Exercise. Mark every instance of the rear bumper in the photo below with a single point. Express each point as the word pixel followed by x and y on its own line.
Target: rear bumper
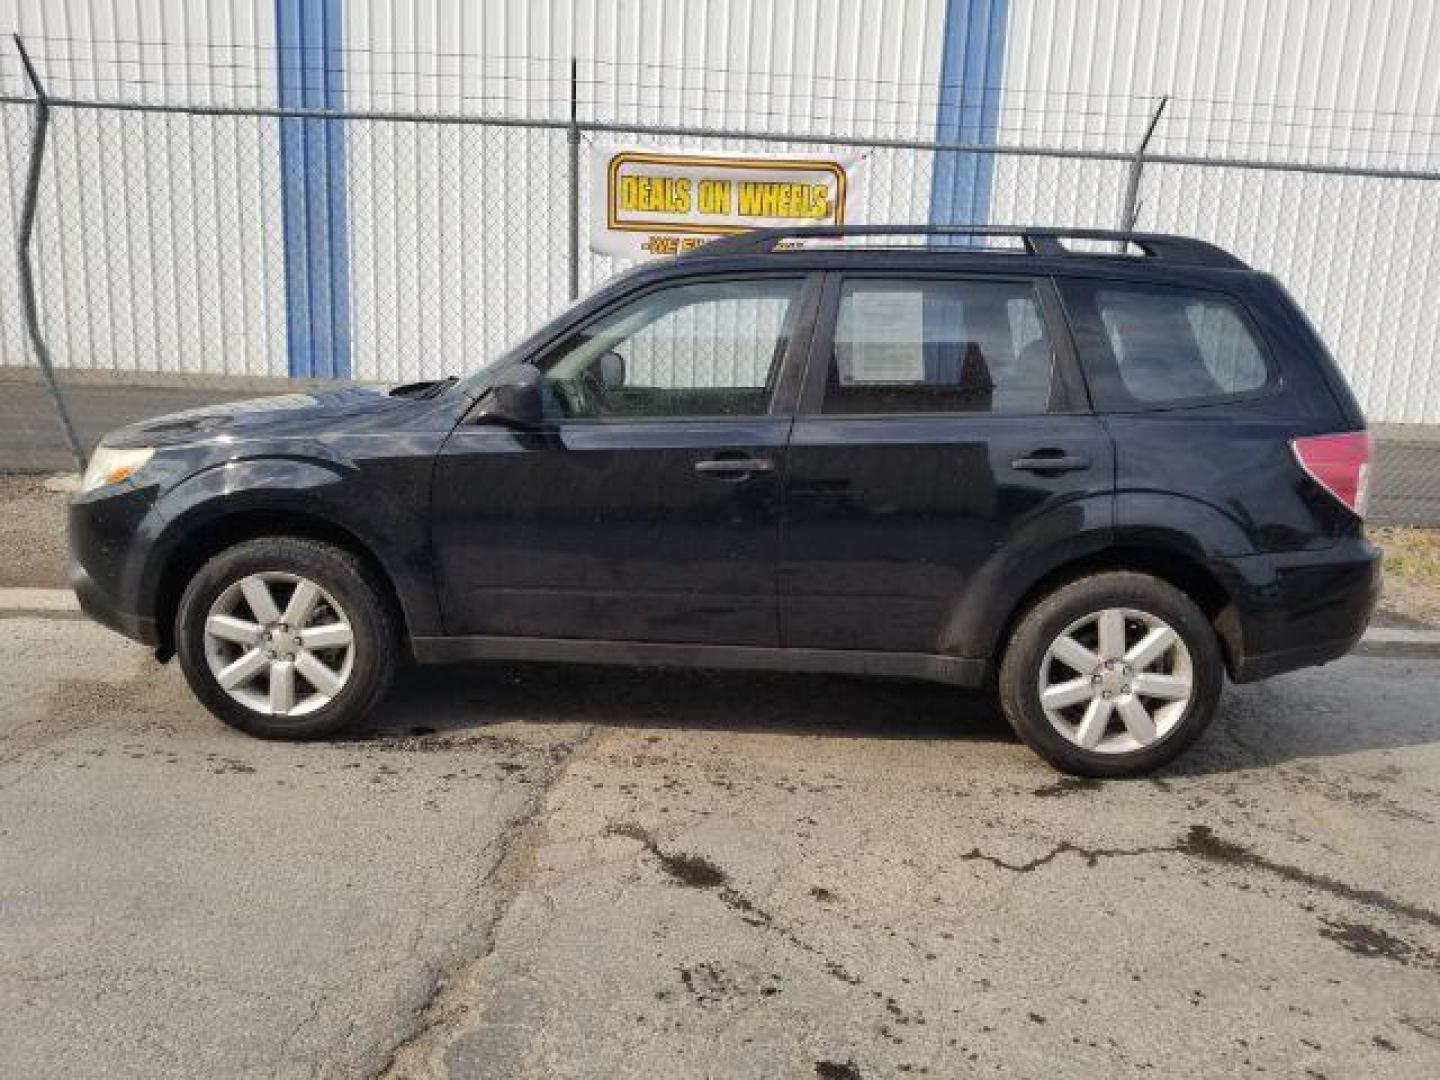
pixel 1296 609
pixel 1256 666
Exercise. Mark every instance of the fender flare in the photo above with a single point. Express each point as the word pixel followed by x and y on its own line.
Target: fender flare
pixel 321 492
pixel 1066 533
pixel 1195 544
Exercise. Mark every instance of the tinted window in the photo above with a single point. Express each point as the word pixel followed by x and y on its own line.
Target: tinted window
pixel 1163 346
pixel 939 346
pixel 703 349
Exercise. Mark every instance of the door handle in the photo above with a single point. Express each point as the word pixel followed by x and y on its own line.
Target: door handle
pixel 1051 461
pixel 734 466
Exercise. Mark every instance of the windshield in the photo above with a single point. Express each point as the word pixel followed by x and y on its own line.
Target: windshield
pixel 477 381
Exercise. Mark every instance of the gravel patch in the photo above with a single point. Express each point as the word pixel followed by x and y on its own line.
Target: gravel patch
pixel 32 533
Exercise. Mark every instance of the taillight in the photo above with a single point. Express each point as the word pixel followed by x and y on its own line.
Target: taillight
pixel 1338 463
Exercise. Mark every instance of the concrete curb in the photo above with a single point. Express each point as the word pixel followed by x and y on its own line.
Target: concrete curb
pixel 42 601
pixel 39 604
pixel 1385 641
pixel 1400 635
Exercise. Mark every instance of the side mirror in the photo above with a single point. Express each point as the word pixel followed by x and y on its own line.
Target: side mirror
pixel 612 371
pixel 514 399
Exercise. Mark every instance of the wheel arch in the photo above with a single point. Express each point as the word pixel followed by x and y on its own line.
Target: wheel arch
pixel 1175 568
pixel 216 534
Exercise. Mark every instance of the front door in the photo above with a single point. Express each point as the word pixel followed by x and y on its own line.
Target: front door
pixel 647 507
pixel 934 430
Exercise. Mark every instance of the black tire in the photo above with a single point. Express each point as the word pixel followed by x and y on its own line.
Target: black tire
pixel 337 572
pixel 1047 619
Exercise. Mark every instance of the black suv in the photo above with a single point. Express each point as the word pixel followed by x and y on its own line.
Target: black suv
pixel 1098 469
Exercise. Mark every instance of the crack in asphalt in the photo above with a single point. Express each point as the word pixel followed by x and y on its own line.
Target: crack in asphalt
pixel 695 871
pixel 282 1061
pixel 1065 847
pixel 1201 843
pixel 442 1005
pixel 698 872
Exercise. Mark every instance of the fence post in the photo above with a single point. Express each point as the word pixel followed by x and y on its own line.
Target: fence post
pixel 573 137
pixel 1131 210
pixel 28 306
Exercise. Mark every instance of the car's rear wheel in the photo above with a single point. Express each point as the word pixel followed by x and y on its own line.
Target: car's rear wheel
pixel 1111 675
pixel 286 638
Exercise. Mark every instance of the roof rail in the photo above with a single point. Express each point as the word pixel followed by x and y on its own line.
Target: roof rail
pixel 1037 241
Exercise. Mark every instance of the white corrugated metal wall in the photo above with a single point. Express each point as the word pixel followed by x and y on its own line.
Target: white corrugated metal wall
pixel 758 65
pixel 169 266
pixel 1327 81
pixel 425 289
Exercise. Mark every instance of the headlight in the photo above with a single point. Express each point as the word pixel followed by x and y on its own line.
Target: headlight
pixel 111 464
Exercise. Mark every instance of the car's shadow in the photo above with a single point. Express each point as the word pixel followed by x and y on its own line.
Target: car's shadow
pixel 1296 717
pixel 461 697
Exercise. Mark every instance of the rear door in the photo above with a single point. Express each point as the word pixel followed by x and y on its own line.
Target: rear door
pixel 646 508
pixel 941 418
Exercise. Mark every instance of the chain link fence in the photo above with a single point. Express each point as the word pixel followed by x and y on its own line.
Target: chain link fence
pixel 163 277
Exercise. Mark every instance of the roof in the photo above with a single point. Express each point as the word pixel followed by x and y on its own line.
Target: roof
pixel 1047 242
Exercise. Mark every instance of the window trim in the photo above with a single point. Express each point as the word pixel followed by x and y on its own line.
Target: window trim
pixel 1067 390
pixel 788 373
pixel 1109 371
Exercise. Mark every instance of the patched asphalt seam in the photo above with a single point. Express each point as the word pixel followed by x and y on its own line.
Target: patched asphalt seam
pixel 441 1007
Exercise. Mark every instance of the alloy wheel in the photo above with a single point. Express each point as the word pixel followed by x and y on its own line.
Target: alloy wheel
pixel 279 644
pixel 1116 681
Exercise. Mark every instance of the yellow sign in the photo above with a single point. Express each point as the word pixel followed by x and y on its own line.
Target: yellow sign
pixel 653 202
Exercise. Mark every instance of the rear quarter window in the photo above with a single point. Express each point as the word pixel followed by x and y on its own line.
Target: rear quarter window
pixel 1149 347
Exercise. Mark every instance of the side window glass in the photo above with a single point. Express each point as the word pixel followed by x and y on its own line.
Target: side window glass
pixel 1226 347
pixel 702 349
pixel 938 346
pixel 1152 345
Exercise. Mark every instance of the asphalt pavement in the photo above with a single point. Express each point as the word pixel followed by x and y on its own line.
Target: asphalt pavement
pixel 536 871
pixel 33 441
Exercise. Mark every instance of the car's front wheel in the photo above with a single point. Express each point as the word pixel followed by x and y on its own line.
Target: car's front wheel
pixel 1111 675
pixel 286 638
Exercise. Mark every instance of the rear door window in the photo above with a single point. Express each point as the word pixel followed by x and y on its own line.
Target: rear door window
pixel 943 345
pixel 1157 346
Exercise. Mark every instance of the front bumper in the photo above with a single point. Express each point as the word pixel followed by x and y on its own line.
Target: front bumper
pixel 111 533
pixel 1296 609
pixel 105 610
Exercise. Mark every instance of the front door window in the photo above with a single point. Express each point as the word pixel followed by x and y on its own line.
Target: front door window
pixel 704 349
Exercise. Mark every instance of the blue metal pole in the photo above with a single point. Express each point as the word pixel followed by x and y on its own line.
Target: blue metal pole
pixel 971 66
pixel 310 69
